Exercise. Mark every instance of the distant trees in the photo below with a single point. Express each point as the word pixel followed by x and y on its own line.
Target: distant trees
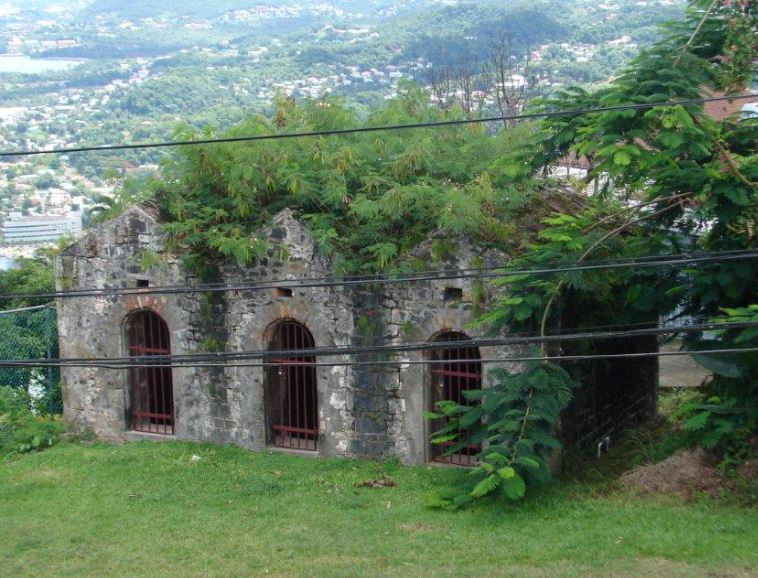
pixel 502 81
pixel 456 77
pixel 46 181
pixel 176 92
pixel 473 28
pixel 510 77
pixel 114 50
pixel 21 128
pixel 96 74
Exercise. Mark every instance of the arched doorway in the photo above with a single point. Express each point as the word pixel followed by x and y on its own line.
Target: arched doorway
pixel 151 391
pixel 455 369
pixel 291 396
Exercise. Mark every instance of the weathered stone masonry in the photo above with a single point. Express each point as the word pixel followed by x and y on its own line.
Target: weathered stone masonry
pixel 362 410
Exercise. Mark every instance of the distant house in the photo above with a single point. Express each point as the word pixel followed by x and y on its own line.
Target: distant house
pixel 297 401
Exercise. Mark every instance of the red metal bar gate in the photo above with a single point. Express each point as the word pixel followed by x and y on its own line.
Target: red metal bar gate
pixel 292 406
pixel 449 381
pixel 151 392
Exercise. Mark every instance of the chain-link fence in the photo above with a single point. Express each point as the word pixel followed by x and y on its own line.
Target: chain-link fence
pixel 31 333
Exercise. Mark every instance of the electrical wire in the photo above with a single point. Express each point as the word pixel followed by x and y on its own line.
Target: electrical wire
pixel 219 357
pixel 440 275
pixel 410 362
pixel 346 131
pixel 558 331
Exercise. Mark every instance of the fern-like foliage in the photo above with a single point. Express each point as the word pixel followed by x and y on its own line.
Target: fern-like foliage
pixel 694 180
pixel 518 435
pixel 368 199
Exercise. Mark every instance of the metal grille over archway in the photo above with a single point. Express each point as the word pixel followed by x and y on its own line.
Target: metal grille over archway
pixel 449 380
pixel 151 392
pixel 292 406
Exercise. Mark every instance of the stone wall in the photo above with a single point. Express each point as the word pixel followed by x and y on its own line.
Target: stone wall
pixel 372 411
pixel 93 327
pixel 363 410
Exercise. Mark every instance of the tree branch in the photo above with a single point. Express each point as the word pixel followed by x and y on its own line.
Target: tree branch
pixel 695 32
pixel 733 168
pixel 635 207
pixel 586 254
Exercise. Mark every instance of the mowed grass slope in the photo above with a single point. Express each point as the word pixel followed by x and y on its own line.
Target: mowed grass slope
pixel 148 509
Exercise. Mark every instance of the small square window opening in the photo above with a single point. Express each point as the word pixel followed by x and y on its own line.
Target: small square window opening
pixel 452 294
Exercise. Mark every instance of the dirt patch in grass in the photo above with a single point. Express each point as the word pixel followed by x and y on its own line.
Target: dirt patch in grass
pixel 42 477
pixel 682 474
pixel 413 528
pixel 383 482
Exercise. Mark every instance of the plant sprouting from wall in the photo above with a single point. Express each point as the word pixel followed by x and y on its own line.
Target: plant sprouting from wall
pixel 148 259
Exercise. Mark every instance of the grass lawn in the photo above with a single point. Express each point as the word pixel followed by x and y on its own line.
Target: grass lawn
pixel 148 509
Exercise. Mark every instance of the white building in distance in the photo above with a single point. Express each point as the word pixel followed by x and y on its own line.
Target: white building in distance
pixel 18 229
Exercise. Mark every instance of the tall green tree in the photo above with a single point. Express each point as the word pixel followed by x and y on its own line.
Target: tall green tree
pixel 685 181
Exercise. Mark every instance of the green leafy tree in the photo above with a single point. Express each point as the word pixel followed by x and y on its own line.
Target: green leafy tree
pixel 693 181
pixel 726 415
pixel 368 198
pixel 131 191
pixel 46 181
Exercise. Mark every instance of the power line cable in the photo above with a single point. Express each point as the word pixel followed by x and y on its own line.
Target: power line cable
pixel 190 358
pixel 520 339
pixel 440 275
pixel 558 331
pixel 384 363
pixel 345 131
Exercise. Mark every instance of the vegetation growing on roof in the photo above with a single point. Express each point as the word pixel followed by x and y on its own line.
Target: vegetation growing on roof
pixel 368 198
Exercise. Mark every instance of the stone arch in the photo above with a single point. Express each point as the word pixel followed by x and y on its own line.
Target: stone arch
pixel 452 371
pixel 291 392
pixel 151 390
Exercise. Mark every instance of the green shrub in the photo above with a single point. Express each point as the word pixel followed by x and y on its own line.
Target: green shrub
pixel 22 430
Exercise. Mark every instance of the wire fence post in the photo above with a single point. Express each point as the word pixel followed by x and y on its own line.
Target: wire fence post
pixel 48 316
pixel 54 402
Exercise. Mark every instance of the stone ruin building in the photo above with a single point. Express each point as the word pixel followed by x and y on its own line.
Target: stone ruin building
pixel 342 410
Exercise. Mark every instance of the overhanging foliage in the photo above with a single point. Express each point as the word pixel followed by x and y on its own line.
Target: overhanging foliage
pixel 368 198
pixel 693 181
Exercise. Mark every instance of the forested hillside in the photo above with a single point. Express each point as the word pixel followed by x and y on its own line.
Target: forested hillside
pixel 146 66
